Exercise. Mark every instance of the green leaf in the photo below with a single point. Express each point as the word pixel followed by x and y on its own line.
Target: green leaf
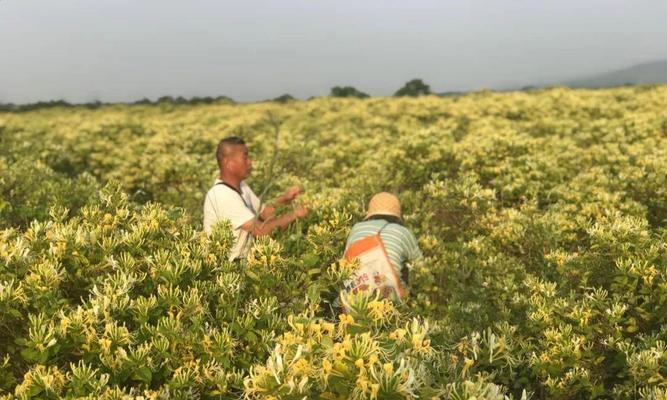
pixel 252 275
pixel 143 374
pixel 314 293
pixel 327 343
pixel 251 336
pixel 34 391
pixel 30 355
pixel 310 260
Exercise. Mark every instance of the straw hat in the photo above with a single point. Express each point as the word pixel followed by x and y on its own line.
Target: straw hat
pixel 384 204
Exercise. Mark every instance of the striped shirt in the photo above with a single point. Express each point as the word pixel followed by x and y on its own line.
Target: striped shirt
pixel 399 242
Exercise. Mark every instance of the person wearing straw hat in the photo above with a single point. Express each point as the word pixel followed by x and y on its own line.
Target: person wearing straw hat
pixel 383 222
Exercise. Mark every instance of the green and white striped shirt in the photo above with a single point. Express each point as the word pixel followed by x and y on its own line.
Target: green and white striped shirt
pixel 399 242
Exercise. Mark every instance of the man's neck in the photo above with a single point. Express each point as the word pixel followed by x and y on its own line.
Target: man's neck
pixel 232 181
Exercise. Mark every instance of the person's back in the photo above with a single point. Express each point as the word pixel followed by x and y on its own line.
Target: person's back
pixel 400 243
pixel 383 246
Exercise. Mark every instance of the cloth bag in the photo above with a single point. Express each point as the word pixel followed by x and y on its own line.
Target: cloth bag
pixel 375 271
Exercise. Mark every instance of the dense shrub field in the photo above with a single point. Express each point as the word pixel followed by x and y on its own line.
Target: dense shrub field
pixel 542 216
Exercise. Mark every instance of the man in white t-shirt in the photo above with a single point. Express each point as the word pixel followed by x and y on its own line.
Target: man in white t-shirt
pixel 231 199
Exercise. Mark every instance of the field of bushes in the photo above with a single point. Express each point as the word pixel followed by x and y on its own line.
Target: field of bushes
pixel 542 216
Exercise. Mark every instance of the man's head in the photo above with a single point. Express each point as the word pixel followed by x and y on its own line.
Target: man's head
pixel 232 156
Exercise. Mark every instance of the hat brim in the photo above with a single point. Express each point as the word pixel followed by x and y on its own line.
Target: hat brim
pixel 389 213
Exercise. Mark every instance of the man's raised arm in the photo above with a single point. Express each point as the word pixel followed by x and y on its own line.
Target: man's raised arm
pixel 261 228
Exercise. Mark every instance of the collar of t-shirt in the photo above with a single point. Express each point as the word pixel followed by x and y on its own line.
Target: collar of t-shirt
pixel 221 182
pixel 240 193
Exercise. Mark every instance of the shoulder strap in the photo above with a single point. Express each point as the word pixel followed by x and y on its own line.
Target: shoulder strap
pixel 383 226
pixel 237 192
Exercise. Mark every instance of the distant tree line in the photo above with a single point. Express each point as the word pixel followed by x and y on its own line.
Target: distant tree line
pixel 414 87
pixel 180 100
pixel 9 107
pixel 347 91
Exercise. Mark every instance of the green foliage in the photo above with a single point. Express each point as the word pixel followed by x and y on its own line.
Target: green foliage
pixel 284 98
pixel 30 189
pixel 132 296
pixel 541 215
pixel 347 91
pixel 415 87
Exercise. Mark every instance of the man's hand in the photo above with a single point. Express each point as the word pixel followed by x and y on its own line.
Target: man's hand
pixel 291 193
pixel 300 211
pixel 268 212
pixel 257 228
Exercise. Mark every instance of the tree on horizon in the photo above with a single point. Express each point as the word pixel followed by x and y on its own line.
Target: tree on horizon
pixel 415 87
pixel 347 91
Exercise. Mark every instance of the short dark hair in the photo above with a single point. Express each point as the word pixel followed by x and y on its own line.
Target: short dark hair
pixel 221 152
pixel 392 219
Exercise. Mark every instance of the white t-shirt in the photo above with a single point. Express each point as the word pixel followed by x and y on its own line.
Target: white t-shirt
pixel 223 202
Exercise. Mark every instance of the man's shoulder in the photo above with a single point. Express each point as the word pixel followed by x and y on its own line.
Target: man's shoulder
pixel 220 191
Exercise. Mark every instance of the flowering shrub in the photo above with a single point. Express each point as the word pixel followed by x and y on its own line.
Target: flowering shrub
pixel 542 217
pixel 127 296
pixel 371 352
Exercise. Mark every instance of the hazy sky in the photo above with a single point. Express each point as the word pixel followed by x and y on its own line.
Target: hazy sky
pixel 121 50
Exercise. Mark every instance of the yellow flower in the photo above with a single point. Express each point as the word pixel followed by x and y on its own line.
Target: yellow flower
pixel 301 367
pixel 359 363
pixel 315 329
pixel 328 327
pixel 375 389
pixel 289 339
pixel 326 366
pixel 346 319
pixel 298 327
pixel 105 344
pixel 388 368
pixel 362 383
pixel 376 309
pixel 338 350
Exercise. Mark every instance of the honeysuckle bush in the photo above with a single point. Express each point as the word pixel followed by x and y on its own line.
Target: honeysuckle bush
pixel 29 189
pixel 134 299
pixel 370 352
pixel 542 217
